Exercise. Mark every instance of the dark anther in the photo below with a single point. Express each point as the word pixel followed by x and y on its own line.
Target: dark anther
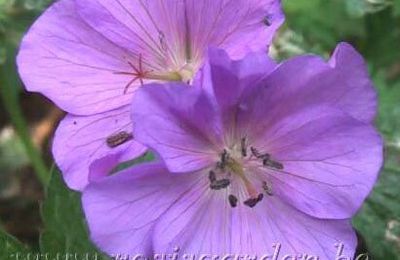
pixel 267 188
pixel 224 159
pixel 118 139
pixel 220 184
pixel 253 201
pixel 243 147
pixel 232 201
pixel 258 155
pixel 273 164
pixel 266 21
pixel 212 177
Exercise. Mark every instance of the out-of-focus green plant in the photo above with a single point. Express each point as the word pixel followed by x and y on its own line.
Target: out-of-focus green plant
pixel 360 8
pixel 15 17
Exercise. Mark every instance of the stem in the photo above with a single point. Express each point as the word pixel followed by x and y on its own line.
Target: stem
pixel 9 96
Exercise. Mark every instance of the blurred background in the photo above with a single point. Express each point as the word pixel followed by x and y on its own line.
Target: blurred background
pixel 51 220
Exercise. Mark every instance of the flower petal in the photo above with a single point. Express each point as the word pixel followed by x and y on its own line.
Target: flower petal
pixel 206 225
pixel 331 161
pixel 343 82
pixel 230 81
pixel 179 122
pixel 185 28
pixel 122 209
pixel 72 64
pixel 81 140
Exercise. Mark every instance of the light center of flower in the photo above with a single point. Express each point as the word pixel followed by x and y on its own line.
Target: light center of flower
pixel 138 72
pixel 236 166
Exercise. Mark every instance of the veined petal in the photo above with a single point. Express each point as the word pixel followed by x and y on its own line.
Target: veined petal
pixel 72 64
pixel 180 123
pixel 231 81
pixel 205 225
pixel 177 31
pixel 121 210
pixel 331 161
pixel 342 82
pixel 81 140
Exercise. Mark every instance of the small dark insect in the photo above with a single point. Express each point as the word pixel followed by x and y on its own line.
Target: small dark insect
pixel 243 147
pixel 259 155
pixel 220 184
pixel 118 139
pixel 273 164
pixel 232 201
pixel 266 21
pixel 267 188
pixel 212 176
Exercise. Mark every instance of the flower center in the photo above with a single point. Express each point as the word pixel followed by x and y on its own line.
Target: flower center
pixel 182 73
pixel 235 165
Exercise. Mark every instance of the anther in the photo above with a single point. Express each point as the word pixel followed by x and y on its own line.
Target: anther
pixel 212 176
pixel 258 155
pixel 243 147
pixel 118 139
pixel 224 159
pixel 252 202
pixel 220 184
pixel 267 188
pixel 273 164
pixel 232 201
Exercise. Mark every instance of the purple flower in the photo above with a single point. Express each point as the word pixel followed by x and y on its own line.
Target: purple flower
pixel 89 56
pixel 258 156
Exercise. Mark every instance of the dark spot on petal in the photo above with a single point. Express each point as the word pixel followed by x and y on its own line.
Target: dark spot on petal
pixel 267 21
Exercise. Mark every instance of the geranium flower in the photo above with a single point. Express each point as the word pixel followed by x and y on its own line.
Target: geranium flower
pixel 258 156
pixel 89 56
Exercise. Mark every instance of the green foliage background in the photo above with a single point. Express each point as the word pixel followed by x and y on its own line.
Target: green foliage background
pixel 316 26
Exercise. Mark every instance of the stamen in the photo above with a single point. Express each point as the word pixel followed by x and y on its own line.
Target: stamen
pixel 252 202
pixel 232 201
pixel 267 188
pixel 273 164
pixel 220 184
pixel 243 147
pixel 118 139
pixel 259 155
pixel 212 177
pixel 224 159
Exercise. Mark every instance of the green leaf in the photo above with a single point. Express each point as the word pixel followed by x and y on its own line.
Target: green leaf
pixel 10 247
pixel 65 229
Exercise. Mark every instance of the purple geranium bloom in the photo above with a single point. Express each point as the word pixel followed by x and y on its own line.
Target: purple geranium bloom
pixel 259 158
pixel 89 56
